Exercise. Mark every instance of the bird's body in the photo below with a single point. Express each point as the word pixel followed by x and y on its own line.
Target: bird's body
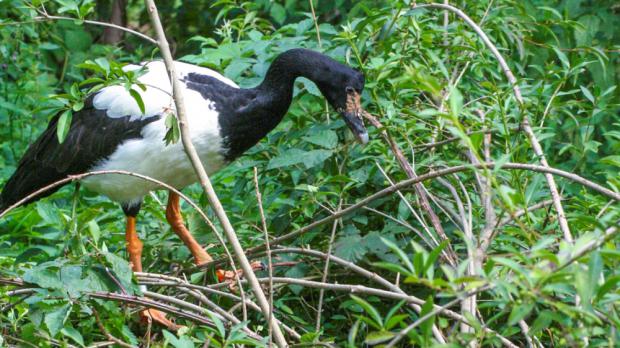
pixel 112 133
pixel 149 154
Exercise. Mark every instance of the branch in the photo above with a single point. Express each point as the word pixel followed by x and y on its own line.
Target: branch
pixel 44 18
pixel 557 199
pixel 205 182
pixel 443 172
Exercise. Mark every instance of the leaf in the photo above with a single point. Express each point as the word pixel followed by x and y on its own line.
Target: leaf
pixel 519 312
pixel 277 12
pixel 401 254
pixel 376 337
pixel 326 138
pixel 63 125
pixel 586 92
pixel 350 248
pixel 73 334
pixel 120 267
pixel 181 342
pixel 138 98
pixel 55 319
pixel 369 309
pixel 297 156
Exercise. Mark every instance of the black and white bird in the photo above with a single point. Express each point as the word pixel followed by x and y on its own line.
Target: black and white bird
pixel 112 133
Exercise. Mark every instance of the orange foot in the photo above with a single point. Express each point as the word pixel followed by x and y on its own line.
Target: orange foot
pixel 230 277
pixel 154 315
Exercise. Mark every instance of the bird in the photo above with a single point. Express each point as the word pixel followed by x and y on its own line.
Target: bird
pixel 113 132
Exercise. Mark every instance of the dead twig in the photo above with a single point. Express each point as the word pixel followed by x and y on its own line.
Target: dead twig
pixel 204 180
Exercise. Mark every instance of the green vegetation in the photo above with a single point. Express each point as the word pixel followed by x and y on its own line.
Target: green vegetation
pixel 429 79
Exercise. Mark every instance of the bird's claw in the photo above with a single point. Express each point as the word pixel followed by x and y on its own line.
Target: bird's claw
pixel 230 277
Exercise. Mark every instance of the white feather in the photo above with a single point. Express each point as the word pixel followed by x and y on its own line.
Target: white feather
pixel 150 155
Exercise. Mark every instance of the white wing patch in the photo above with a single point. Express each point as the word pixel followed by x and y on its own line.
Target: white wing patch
pixel 149 155
pixel 157 97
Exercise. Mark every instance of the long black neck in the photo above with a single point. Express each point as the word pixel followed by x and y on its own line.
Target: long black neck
pixel 247 115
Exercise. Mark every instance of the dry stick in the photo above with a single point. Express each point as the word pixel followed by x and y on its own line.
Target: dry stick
pixel 146 302
pixel 332 237
pixel 259 198
pixel 44 17
pixel 194 290
pixel 382 281
pixel 140 176
pixel 527 128
pixel 404 164
pixel 107 334
pixel 205 182
pixel 442 172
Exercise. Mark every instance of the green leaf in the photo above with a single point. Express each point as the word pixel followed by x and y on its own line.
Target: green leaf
pixel 350 248
pixel 519 312
pixel 278 12
pixel 369 309
pixel 73 334
pixel 181 342
pixel 376 337
pixel 63 125
pixel 55 320
pixel 326 138
pixel 586 92
pixel 296 156
pixel 138 98
pixel 401 255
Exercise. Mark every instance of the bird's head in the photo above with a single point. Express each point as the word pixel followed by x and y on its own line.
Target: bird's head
pixel 343 89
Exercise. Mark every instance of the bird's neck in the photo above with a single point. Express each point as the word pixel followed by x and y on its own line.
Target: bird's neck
pixel 259 110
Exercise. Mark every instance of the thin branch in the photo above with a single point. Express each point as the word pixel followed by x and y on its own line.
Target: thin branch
pixel 557 199
pixel 259 199
pixel 107 334
pixel 332 237
pixel 404 164
pixel 437 310
pixel 205 182
pixel 44 18
pixel 442 172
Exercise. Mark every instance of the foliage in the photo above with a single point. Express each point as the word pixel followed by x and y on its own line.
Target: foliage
pixel 428 81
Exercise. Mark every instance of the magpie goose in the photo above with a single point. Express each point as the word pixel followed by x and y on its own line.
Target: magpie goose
pixel 112 133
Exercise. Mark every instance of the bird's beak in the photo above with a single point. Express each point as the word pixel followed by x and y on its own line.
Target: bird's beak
pixel 352 114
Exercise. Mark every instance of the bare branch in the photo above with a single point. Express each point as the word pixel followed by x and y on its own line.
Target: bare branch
pixel 557 199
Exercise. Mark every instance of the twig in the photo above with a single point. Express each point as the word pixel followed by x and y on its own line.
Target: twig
pixel 332 237
pixel 107 334
pixel 442 172
pixel 259 199
pixel 437 310
pixel 205 182
pixel 557 199
pixel 45 17
pixel 404 164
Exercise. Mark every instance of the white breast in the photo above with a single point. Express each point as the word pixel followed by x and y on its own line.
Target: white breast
pixel 150 155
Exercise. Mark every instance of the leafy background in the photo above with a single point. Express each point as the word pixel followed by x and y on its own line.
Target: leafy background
pixel 427 80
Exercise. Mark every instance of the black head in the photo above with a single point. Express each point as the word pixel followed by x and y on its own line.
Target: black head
pixel 340 84
pixel 342 88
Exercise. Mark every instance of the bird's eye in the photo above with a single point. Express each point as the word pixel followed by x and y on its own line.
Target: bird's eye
pixel 350 89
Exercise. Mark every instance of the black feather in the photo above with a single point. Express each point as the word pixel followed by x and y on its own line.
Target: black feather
pixel 93 136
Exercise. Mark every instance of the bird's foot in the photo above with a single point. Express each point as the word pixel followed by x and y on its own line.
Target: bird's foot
pixel 156 316
pixel 230 277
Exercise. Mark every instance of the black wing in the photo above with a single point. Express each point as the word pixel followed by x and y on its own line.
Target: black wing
pixel 93 136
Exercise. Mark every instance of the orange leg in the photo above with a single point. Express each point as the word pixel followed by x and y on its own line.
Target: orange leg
pixel 173 215
pixel 134 247
pixel 175 219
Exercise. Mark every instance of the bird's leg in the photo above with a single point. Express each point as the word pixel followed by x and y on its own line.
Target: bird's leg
pixel 134 248
pixel 173 215
pixel 175 219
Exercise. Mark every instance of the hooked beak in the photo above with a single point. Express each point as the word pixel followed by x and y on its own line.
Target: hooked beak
pixel 352 115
